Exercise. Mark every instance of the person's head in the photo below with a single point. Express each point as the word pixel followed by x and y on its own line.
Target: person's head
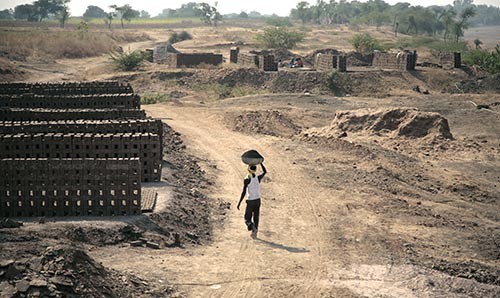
pixel 252 169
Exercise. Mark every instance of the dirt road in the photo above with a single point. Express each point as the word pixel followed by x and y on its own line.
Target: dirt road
pixel 307 233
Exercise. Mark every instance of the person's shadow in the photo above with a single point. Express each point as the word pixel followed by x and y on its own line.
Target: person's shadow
pixel 281 246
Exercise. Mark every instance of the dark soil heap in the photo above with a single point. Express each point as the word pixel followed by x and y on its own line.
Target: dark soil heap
pixel 64 271
pixel 396 122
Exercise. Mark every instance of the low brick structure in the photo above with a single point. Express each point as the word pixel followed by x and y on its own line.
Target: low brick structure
pixel 233 54
pixel 327 62
pixel 448 60
pixel 401 60
pixel 69 187
pixel 192 59
pixel 262 62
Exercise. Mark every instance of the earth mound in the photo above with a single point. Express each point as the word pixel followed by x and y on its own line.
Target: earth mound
pixel 395 122
pixel 64 271
pixel 273 123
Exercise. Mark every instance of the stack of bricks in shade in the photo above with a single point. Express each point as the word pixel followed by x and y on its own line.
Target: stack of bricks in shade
pixel 75 149
pixel 267 63
pixel 327 62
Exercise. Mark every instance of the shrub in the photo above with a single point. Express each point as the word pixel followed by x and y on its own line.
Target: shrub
pixel 152 98
pixel 178 37
pixel 336 82
pixel 490 61
pixel 127 61
pixel 365 44
pixel 279 38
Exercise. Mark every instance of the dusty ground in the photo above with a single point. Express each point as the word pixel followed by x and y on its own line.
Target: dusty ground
pixel 363 214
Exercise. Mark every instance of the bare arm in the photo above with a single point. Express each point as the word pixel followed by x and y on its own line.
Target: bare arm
pixel 264 172
pixel 243 192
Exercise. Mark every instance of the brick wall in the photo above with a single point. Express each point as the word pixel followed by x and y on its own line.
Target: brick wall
pixel 20 114
pixel 73 88
pixel 402 60
pixel 448 60
pixel 59 159
pixel 247 60
pixel 145 146
pixel 189 59
pixel 69 187
pixel 327 62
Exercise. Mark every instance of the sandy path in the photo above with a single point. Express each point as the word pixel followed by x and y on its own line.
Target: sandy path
pixel 287 258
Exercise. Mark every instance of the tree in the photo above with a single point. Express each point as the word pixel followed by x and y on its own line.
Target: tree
pixel 279 38
pixel 110 16
pixel 6 14
pixel 26 12
pixel 144 15
pixel 125 12
pixel 209 14
pixel 94 12
pixel 462 23
pixel 243 15
pixel 365 44
pixel 46 8
pixel 302 12
pixel 63 15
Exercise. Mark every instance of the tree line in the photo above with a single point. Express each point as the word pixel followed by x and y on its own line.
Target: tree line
pixel 448 21
pixel 49 9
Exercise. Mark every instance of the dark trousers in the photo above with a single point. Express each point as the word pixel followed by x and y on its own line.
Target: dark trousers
pixel 252 210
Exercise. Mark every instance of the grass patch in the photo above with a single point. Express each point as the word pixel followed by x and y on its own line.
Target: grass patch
pixel 152 98
pixel 428 42
pixel 39 43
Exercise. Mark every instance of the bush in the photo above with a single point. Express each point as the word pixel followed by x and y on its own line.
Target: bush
pixel 336 82
pixel 490 61
pixel 279 22
pixel 365 44
pixel 178 37
pixel 127 61
pixel 153 98
pixel 279 38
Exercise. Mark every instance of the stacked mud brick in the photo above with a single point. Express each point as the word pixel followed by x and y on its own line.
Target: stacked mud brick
pixel 262 62
pixel 327 62
pixel 233 54
pixel 448 60
pixel 57 159
pixel 401 60
pixel 175 60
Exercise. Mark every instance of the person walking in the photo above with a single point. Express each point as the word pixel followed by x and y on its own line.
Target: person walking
pixel 251 184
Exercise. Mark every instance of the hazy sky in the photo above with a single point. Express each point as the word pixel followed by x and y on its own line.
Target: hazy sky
pixel 279 7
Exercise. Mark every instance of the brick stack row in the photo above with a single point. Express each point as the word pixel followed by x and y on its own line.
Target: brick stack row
pixel 68 151
pixel 70 187
pixel 327 62
pixel 401 60
pixel 266 63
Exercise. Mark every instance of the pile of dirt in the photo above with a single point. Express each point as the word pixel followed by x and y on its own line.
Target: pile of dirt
pixel 9 72
pixel 276 82
pixel 103 236
pixel 269 122
pixel 66 271
pixel 395 122
pixel 490 83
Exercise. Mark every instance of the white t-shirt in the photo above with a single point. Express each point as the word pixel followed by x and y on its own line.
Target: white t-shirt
pixel 253 188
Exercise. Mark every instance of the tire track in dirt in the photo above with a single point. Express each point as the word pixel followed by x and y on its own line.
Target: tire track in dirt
pixel 291 244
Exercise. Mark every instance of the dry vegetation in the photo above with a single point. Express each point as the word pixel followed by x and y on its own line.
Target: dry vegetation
pixel 54 44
